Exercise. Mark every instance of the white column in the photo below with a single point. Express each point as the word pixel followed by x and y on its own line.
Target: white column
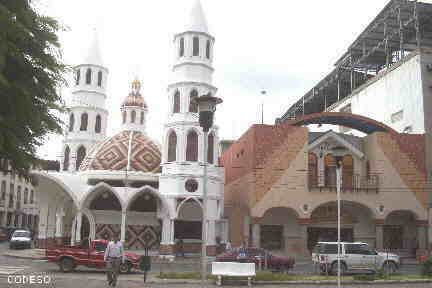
pixel 59 223
pixel 256 235
pixel 123 227
pixel 42 221
pixel 73 230
pixel 78 227
pixel 211 232
pixel 167 229
pixel 225 231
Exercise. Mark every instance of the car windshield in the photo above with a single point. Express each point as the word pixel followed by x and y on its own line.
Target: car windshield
pixel 99 246
pixel 21 234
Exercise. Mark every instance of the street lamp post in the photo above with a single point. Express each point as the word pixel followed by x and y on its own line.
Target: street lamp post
pixel 338 152
pixel 206 108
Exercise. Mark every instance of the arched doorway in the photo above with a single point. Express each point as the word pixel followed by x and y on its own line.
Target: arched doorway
pixel 357 223
pixel 143 230
pixel 188 225
pixel 85 227
pixel 400 231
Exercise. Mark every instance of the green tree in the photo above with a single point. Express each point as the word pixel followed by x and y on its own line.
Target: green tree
pixel 31 73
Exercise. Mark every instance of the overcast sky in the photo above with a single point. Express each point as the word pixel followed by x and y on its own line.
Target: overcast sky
pixel 283 47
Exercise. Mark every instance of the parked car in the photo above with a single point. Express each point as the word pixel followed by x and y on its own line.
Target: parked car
pixel 354 256
pixel 89 253
pixel 20 239
pixel 4 235
pixel 257 256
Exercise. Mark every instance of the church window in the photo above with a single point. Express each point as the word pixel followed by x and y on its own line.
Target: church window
pixel 66 159
pixel 347 172
pixel 192 146
pixel 195 51
pixel 100 78
pixel 193 106
pixel 77 77
pixel 172 147
pixel 81 153
pixel 3 190
pixel 313 170
pixel 330 171
pixel 26 196
pixel 182 47
pixel 142 117
pixel 176 106
pixel 88 76
pixel 11 195
pixel 98 125
pixel 31 197
pixel 133 116
pixel 208 49
pixel 71 122
pixel 124 117
pixel 84 122
pixel 210 149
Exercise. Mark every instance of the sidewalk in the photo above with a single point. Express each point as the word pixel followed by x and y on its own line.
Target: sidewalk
pixel 34 254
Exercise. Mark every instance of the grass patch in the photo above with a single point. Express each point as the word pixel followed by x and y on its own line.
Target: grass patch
pixel 270 276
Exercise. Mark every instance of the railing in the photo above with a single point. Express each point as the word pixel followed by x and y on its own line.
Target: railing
pixel 353 183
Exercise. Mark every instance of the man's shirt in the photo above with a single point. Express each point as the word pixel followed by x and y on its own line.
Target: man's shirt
pixel 114 249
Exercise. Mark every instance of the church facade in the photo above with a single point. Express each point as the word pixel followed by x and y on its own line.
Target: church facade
pixel 148 193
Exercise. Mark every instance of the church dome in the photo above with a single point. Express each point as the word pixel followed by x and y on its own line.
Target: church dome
pixel 112 154
pixel 135 99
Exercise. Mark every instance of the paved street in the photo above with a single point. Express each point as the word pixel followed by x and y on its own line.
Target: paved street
pixel 9 267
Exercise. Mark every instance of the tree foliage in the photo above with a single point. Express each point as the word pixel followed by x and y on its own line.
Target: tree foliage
pixel 31 73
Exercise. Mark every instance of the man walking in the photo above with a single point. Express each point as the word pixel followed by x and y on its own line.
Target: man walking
pixel 114 256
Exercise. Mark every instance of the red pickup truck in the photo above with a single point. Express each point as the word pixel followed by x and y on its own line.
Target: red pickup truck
pixel 89 253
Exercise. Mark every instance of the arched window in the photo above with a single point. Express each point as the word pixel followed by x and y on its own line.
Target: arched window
pixel 176 104
pixel 100 78
pixel 192 146
pixel 124 117
pixel 88 76
pixel 84 122
pixel 77 77
pixel 26 196
pixel 210 149
pixel 18 197
pixel 347 172
pixel 98 125
pixel 71 122
pixel 208 49
pixel 142 117
pixel 195 49
pixel 133 116
pixel 313 170
pixel 193 106
pixel 172 147
pixel 3 190
pixel 182 47
pixel 11 195
pixel 31 197
pixel 81 153
pixel 330 171
pixel 66 159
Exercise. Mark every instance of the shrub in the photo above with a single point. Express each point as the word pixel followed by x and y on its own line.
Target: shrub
pixel 427 267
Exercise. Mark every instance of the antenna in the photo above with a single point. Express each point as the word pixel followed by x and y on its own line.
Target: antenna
pixel 263 92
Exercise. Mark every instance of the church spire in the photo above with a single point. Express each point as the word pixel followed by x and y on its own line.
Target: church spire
pixel 93 54
pixel 197 20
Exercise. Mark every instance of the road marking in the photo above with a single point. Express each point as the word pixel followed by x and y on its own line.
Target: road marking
pixel 7 270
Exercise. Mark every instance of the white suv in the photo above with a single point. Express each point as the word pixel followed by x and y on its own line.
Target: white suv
pixel 354 256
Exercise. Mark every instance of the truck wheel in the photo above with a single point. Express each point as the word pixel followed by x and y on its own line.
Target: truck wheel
pixel 125 268
pixel 334 268
pixel 67 265
pixel 389 267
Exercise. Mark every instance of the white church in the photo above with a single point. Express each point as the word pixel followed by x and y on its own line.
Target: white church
pixel 127 184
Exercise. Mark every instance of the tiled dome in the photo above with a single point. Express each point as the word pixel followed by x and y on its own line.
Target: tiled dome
pixel 135 99
pixel 112 154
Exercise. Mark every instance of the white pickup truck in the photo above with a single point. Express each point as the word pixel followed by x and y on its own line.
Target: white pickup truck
pixel 353 256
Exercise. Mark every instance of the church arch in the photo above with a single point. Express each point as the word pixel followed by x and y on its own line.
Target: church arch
pixel 103 194
pixel 71 122
pixel 84 121
pixel 182 47
pixel 193 106
pixel 88 76
pixel 98 124
pixel 80 155
pixel 192 145
pixel 99 79
pixel 195 44
pixel 176 102
pixel 188 223
pixel 172 146
pixel 66 159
